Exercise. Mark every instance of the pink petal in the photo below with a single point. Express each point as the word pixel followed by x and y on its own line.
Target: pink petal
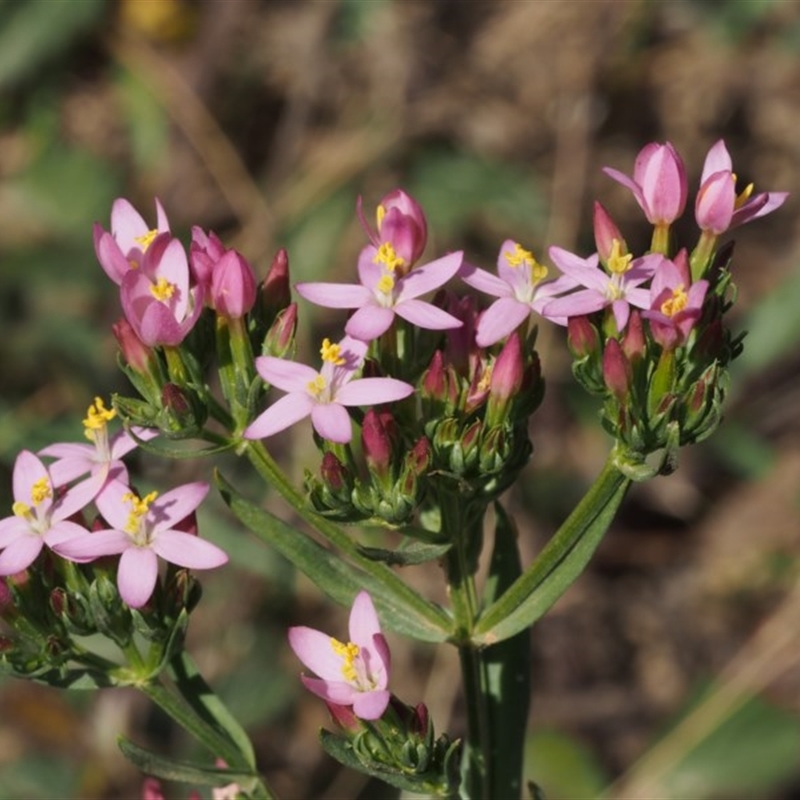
pixel 157 325
pixel 20 554
pixel 621 311
pixel 137 575
pixel 371 705
pixel 335 295
pixel 171 507
pixel 11 528
pixel 484 281
pixel 122 443
pixel 369 270
pixel 127 224
pixel 577 304
pixel 372 391
pixel 65 470
pixel 94 545
pixel 758 206
pixel 111 505
pixel 109 255
pixel 79 496
pixel 717 160
pixel 363 623
pixel 314 648
pixel 426 315
pixel 286 375
pixel 338 692
pixel 583 270
pixel 187 550
pixel 369 322
pixel 430 277
pixel 500 319
pixel 64 531
pixel 280 415
pixel 28 469
pixel 331 421
pixel 628 183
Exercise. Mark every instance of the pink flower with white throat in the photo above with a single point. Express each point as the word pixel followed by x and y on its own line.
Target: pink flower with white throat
pixel 142 530
pixel 124 247
pixel 39 517
pixel 322 394
pixel 353 673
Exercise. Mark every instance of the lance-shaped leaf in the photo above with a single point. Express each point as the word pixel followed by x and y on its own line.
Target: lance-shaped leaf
pixel 559 563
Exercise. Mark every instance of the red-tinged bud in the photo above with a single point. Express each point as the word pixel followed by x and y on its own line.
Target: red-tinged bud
pixel 151 789
pixel 616 370
pixel 434 381
pixel 276 294
pixel 377 444
pixel 344 718
pixel 711 340
pixel 205 251
pixel 421 720
pixel 506 380
pixel 333 472
pixel 280 337
pixel 582 337
pixel 58 601
pixel 174 400
pixel 233 286
pixel 634 344
pixel 419 457
pixel 470 438
pixel 460 348
pixel 681 261
pixel 136 354
pixel 697 397
pixel 605 233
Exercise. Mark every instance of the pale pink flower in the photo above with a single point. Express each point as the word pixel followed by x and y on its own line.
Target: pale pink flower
pixel 124 247
pixel 142 529
pixel 39 516
pixel 325 394
pixel 382 294
pixel 355 673
pixel 658 184
pixel 520 287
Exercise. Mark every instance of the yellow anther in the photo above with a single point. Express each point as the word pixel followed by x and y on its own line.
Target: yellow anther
pixel 41 491
pixel 349 652
pixel 331 353
pixel 317 386
pixel 385 284
pixel 380 213
pixel 139 508
pixel 744 195
pixel 98 416
pixel 146 240
pixel 676 303
pixel 617 262
pixel 162 289
pixel 387 256
pixel 20 509
pixel 486 378
pixel 520 256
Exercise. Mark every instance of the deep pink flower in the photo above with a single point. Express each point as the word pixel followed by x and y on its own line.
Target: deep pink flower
pixel 355 673
pixel 658 184
pixel 158 300
pixel 123 249
pixel 205 251
pixel 324 394
pixel 619 289
pixel 520 287
pixel 382 294
pixel 39 517
pixel 142 529
pixel 718 207
pixel 675 302
pixel 401 225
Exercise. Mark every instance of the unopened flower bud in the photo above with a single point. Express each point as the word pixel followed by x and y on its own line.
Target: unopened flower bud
pixel 334 474
pixel 280 337
pixel 136 354
pixel 582 337
pixel 275 291
pixel 506 379
pixel 205 251
pixel 616 370
pixel 344 718
pixel 605 233
pixel 377 445
pixel 419 457
pixel 233 286
pixel 634 344
pixel 402 223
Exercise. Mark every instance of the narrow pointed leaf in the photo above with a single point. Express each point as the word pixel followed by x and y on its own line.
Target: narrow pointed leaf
pixel 409 552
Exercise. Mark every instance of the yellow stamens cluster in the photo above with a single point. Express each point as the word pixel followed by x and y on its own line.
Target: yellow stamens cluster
pixel 349 652
pixel 617 262
pixel 97 417
pixel 317 386
pixel 387 256
pixel 162 289
pixel 139 508
pixel 331 353
pixel 673 305
pixel 146 240
pixel 41 491
pixel 522 257
pixel 385 284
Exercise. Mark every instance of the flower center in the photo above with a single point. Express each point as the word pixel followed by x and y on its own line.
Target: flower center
pixel 331 353
pixel 385 284
pixel 618 263
pixel 317 386
pixel 676 303
pixel 139 509
pixel 97 418
pixel 348 653
pixel 524 258
pixel 162 289
pixel 387 256
pixel 40 491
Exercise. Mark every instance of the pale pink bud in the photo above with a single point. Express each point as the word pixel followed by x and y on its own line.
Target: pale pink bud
pixel 233 286
pixel 716 199
pixel 605 232
pixel 616 370
pixel 582 337
pixel 136 354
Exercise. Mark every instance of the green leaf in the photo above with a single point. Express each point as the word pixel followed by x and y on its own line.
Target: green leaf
pixel 181 771
pixel 559 564
pixel 409 552
pixel 335 577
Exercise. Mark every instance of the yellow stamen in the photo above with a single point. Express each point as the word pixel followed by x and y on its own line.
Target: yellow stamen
pixel 387 255
pixel 380 213
pixel 146 240
pixel 317 386
pixel 97 417
pixel 522 257
pixel 23 510
pixel 162 290
pixel 673 305
pixel 41 491
pixel 744 195
pixel 385 284
pixel 139 508
pixel 486 378
pixel 349 652
pixel 331 353
pixel 617 262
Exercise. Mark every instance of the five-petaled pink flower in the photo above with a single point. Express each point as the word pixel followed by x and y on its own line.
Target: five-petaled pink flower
pixel 382 294
pixel 718 207
pixel 39 517
pixel 520 287
pixel 355 673
pixel 618 288
pixel 142 529
pixel 322 394
pixel 123 249
pixel 158 300
pixel 658 184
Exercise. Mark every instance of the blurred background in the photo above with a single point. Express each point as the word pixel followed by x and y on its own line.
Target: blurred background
pixel 672 667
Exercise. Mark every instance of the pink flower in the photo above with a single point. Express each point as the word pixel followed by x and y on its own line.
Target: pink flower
pixel 142 529
pixel 123 249
pixel 675 302
pixel 717 207
pixel 39 518
pixel 205 251
pixel 382 294
pixel 157 298
pixel 355 673
pixel 658 183
pixel 324 394
pixel 619 289
pixel 401 225
pixel 101 459
pixel 520 287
